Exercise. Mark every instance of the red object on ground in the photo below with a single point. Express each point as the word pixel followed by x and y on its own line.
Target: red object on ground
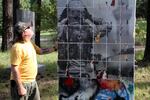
pixel 110 84
pixel 69 82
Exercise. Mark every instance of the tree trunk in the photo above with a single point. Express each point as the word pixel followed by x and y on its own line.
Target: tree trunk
pixel 16 6
pixel 38 23
pixel 147 47
pixel 7 34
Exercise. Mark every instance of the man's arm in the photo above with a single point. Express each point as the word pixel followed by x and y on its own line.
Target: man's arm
pixel 48 50
pixel 41 51
pixel 16 74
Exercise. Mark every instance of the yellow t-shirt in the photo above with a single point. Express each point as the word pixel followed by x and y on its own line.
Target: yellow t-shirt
pixel 24 56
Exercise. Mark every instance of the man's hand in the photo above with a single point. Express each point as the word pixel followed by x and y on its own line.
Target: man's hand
pixel 16 74
pixel 49 50
pixel 22 91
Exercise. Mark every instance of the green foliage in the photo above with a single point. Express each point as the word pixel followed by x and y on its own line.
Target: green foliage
pixel 47 11
pixel 25 4
pixel 140 32
pixel 141 7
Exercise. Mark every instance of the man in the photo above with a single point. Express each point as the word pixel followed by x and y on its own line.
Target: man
pixel 24 64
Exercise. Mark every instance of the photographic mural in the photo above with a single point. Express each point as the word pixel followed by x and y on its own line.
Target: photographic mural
pixel 96 49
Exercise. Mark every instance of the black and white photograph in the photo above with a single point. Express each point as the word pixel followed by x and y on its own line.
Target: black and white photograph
pixel 99 37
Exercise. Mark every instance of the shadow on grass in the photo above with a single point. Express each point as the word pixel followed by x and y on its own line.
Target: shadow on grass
pixel 142 85
pixel 4 83
pixel 50 71
pixel 48 83
pixel 142 63
pixel 4 74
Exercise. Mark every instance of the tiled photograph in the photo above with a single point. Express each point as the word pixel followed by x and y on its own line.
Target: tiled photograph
pixel 113 70
pixel 77 88
pixel 100 40
pixel 127 70
pixel 127 52
pixel 96 89
pixel 70 68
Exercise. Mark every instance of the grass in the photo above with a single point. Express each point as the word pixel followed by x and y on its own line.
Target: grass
pixel 50 32
pixel 142 78
pixel 48 84
pixel 139 55
pixel 4 59
pixel 142 83
pixel 47 38
pixel 50 61
pixel 140 35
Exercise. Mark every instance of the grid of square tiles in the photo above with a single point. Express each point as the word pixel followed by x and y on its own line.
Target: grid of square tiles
pixel 78 25
pixel 82 55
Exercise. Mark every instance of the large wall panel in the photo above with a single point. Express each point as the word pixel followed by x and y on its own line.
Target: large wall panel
pixel 96 49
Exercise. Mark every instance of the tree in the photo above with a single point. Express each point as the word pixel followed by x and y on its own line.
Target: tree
pixel 141 9
pixel 38 23
pixel 16 6
pixel 147 46
pixel 7 33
